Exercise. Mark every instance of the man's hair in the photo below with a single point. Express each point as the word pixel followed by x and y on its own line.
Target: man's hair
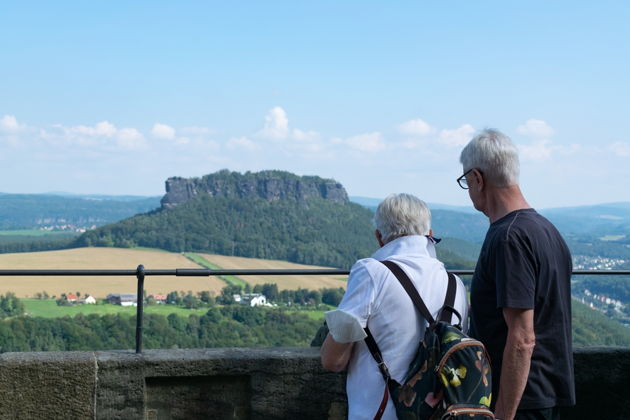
pixel 400 215
pixel 494 154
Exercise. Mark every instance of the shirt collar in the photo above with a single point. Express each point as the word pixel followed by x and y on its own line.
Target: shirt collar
pixel 413 245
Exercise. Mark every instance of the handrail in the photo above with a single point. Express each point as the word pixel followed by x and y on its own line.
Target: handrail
pixel 140 273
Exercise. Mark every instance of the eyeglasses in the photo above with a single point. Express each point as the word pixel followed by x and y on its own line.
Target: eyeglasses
pixel 462 179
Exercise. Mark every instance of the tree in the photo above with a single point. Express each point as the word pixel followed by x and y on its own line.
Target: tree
pixel 190 301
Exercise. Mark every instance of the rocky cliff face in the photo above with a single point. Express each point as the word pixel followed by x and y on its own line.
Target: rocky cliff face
pixel 270 185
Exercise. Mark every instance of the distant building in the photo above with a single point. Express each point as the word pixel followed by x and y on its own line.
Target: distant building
pixel 70 297
pixel 158 298
pixel 251 299
pixel 90 300
pixel 123 299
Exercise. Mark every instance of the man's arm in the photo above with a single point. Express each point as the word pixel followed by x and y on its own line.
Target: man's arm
pixel 335 356
pixel 517 356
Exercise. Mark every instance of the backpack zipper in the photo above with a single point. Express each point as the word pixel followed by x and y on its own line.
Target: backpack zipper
pixel 454 412
pixel 467 343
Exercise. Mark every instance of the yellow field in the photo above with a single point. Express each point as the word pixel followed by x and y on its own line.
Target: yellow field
pixel 128 259
pixel 100 258
pixel 283 282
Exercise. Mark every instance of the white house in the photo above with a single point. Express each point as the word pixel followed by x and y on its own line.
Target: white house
pixel 89 300
pixel 253 299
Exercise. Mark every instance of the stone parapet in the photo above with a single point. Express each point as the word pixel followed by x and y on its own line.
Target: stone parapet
pixel 233 383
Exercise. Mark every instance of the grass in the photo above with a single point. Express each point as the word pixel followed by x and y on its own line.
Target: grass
pixel 48 308
pixel 198 259
pixel 316 315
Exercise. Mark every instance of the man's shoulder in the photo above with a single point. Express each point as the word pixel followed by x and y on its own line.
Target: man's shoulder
pixel 523 223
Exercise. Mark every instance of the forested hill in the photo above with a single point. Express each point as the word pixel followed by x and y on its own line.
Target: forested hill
pixel 301 227
pixel 49 211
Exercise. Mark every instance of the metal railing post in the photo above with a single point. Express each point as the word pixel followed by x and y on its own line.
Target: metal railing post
pixel 140 307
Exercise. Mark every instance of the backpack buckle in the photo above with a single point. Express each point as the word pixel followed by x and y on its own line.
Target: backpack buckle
pixel 384 370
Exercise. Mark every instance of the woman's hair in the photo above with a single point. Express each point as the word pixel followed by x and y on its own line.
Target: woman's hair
pixel 402 214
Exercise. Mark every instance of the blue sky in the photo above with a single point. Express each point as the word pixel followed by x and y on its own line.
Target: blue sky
pixel 114 97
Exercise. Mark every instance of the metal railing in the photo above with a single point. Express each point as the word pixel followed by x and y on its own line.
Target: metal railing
pixel 140 273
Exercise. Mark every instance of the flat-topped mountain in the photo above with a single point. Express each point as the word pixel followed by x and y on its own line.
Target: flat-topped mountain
pixel 268 214
pixel 268 185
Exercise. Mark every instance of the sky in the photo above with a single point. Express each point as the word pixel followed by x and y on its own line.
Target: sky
pixel 114 97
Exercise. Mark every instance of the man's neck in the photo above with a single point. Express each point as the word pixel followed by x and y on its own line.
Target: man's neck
pixel 504 200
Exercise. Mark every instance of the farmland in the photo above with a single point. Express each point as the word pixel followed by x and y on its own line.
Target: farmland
pixel 283 282
pixel 100 258
pixel 124 258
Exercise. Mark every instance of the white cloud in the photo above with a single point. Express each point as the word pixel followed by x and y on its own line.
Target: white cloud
pixel 305 136
pixel 458 136
pixel 620 148
pixel 101 135
pixel 415 128
pixel 197 131
pixel 276 125
pixel 182 140
pixel 369 142
pixel 105 128
pixel 130 138
pixel 536 151
pixel 163 131
pixel 535 128
pixel 9 124
pixel 242 143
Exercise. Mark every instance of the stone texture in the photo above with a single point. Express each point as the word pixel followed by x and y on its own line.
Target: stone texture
pixel 601 384
pixel 269 185
pixel 233 383
pixel 55 385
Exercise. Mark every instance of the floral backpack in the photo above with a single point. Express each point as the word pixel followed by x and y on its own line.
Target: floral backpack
pixel 449 377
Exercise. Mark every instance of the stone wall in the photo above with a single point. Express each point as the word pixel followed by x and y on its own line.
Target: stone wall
pixel 232 383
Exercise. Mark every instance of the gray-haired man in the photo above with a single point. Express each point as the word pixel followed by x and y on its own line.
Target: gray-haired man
pixel 376 299
pixel 520 292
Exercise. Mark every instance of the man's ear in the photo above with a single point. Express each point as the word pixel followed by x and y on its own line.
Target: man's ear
pixel 430 232
pixel 379 237
pixel 479 179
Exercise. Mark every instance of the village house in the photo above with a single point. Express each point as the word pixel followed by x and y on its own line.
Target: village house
pixel 251 299
pixel 89 299
pixel 160 299
pixel 123 299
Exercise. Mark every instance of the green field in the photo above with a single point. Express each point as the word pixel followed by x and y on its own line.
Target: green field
pixel 48 308
pixel 198 259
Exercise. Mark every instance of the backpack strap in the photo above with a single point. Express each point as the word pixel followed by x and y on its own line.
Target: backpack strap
pixel 446 313
pixel 376 354
pixel 404 279
pixel 448 308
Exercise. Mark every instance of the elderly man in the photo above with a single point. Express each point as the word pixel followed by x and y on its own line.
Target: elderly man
pixel 520 292
pixel 376 299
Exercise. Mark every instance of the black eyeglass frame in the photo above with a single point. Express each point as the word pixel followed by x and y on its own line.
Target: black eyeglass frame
pixel 463 178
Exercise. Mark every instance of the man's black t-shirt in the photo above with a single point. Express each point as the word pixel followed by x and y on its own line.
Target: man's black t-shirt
pixel 525 263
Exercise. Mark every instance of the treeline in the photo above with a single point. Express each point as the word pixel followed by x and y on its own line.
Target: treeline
pixel 615 287
pixel 190 300
pixel 228 326
pixel 29 211
pixel 313 231
pixel 592 328
pixel 14 243
pixel 10 306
